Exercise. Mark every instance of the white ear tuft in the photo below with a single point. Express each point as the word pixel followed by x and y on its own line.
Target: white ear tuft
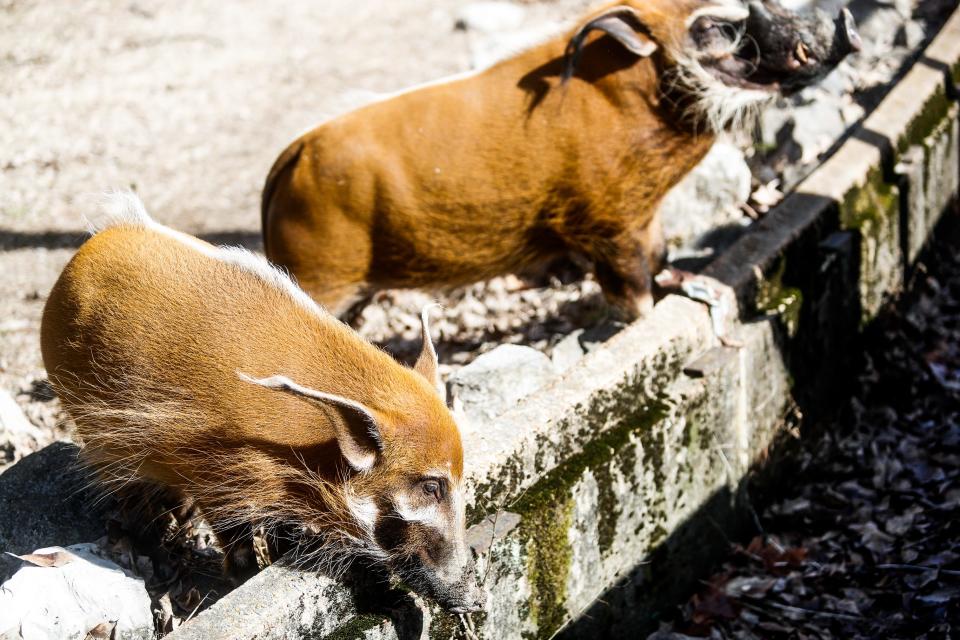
pixel 427 364
pixel 359 443
pixel 117 207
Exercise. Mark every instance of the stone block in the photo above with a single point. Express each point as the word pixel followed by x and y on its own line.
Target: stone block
pixel 498 379
pixel 44 501
pixel 708 198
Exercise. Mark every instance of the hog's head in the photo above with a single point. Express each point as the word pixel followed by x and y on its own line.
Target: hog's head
pixel 722 58
pixel 400 500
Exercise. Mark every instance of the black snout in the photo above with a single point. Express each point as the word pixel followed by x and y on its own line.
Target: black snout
pixel 794 50
pixel 462 596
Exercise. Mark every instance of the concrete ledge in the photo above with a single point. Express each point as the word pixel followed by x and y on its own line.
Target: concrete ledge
pixel 641 447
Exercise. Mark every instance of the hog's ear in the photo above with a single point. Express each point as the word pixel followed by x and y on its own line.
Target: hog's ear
pixel 622 24
pixel 427 364
pixel 358 434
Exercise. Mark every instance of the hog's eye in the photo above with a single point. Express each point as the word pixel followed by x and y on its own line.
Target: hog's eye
pixel 433 488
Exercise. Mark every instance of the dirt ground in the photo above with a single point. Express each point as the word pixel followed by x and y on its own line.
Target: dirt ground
pixel 188 104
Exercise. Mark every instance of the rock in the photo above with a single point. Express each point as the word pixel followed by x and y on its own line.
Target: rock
pixel 496 30
pixel 708 197
pixel 830 7
pixel 817 125
pixel 910 35
pixel 595 336
pixel 773 120
pixel 567 352
pixel 487 48
pixel 879 30
pixel 43 502
pixel 17 434
pixel 374 318
pixel 82 592
pixel 851 110
pixel 839 82
pixel 496 380
pixel 797 5
pixel 495 526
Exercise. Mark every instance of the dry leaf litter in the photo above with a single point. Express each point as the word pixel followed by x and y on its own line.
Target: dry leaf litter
pixel 864 540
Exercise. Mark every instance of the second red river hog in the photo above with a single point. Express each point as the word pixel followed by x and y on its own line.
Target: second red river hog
pixel 567 147
pixel 206 372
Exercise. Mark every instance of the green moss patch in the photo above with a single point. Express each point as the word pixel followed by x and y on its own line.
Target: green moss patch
pixel 608 409
pixel 546 512
pixel 929 118
pixel 775 298
pixel 874 211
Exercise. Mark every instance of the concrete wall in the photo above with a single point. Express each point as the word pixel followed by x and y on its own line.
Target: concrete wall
pixel 613 485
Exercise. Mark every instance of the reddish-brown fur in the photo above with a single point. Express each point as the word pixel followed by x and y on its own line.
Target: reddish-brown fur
pixel 491 174
pixel 145 336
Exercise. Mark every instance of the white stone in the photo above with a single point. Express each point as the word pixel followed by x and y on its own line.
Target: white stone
pixel 772 120
pixel 817 125
pixel 568 351
pixel 17 434
pixel 911 35
pixel 486 48
pixel 68 601
pixel 708 197
pixel 497 380
pixel 831 7
pixel 12 419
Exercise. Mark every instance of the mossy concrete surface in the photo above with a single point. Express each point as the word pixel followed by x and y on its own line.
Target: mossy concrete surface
pixel 930 173
pixel 638 453
pixel 280 602
pixel 873 210
pixel 919 111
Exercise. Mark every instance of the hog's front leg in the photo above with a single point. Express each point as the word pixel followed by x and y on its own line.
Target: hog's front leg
pixel 625 266
pixel 239 556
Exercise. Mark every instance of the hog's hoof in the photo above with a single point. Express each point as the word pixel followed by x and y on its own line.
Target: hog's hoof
pixel 631 309
pixel 240 562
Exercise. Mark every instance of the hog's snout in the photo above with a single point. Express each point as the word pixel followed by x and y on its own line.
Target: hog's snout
pixel 470 596
pixel 461 595
pixel 795 50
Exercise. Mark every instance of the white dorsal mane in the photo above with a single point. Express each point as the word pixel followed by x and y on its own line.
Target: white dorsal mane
pixel 124 208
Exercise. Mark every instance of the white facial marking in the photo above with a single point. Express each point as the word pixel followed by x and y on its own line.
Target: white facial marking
pixel 459 507
pixel 364 510
pixel 124 208
pixel 429 515
pixel 458 559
